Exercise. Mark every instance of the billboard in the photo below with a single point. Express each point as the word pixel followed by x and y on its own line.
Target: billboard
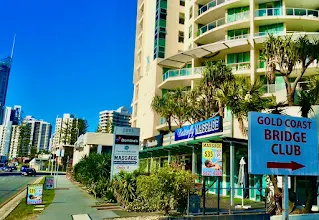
pixel 282 145
pixel 125 151
pixel 209 126
pixel 212 159
pixel 34 194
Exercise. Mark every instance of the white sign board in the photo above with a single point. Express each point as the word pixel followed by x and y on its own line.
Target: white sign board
pixel 282 145
pixel 125 151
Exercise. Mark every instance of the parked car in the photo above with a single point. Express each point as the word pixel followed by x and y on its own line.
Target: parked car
pixel 23 168
pixel 29 172
pixel 8 169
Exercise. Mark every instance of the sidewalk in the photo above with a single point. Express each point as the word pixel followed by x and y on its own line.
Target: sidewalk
pixel 72 201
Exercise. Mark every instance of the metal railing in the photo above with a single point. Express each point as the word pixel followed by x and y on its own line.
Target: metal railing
pixel 242 36
pixel 302 12
pixel 276 33
pixel 211 26
pixel 268 12
pixel 210 5
pixel 230 18
pixel 239 66
pixel 182 72
pixel 238 16
pixel 269 88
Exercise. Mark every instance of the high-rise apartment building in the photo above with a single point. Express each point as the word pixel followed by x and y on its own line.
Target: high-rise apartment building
pixel 160 33
pixel 62 124
pixel 175 38
pixel 110 118
pixel 14 142
pixel 10 117
pixel 5 67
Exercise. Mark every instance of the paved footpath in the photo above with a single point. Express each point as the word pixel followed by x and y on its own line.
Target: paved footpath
pixel 73 201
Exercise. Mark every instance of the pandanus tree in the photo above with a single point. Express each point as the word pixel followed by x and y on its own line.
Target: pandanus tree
pixel 162 105
pixel 287 56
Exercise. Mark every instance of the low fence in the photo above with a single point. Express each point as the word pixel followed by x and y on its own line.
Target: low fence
pixel 204 202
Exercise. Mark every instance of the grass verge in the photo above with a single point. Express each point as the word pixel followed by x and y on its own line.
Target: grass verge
pixel 24 211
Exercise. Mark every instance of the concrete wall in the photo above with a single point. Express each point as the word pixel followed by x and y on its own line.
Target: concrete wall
pixel 297 217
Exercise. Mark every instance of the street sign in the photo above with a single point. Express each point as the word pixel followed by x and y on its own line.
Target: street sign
pixel 125 151
pixel 282 145
pixel 212 159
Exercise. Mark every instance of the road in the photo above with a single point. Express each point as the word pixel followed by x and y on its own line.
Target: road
pixel 10 185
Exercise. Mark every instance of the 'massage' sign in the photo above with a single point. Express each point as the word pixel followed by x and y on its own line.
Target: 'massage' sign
pixel 282 145
pixel 202 128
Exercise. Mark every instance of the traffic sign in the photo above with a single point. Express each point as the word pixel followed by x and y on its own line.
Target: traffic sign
pixel 282 145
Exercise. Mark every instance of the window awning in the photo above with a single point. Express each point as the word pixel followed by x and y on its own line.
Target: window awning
pixel 179 60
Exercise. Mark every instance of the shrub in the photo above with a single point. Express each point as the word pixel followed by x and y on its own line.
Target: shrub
pixel 163 190
pixel 124 187
pixel 94 172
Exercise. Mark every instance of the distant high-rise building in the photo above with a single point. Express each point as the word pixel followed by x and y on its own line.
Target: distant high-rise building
pixel 61 125
pixel 5 67
pixel 10 117
pixel 40 133
pixel 14 143
pixel 111 118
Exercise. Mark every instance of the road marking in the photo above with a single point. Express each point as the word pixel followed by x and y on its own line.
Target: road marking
pixel 81 217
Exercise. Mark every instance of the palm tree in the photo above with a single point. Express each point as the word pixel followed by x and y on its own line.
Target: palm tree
pixel 242 96
pixel 163 106
pixel 214 75
pixel 283 55
pixel 179 106
pixel 308 98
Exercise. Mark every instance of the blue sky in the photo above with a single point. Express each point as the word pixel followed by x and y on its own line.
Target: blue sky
pixel 71 56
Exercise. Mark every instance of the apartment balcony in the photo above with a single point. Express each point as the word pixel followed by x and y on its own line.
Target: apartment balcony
pixel 180 77
pixel 311 70
pixel 216 30
pixel 242 68
pixel 293 17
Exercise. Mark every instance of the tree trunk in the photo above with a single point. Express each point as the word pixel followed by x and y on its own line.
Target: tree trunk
pixel 169 123
pixel 221 109
pixel 311 187
pixel 290 91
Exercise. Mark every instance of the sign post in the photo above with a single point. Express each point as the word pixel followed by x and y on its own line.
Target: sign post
pixel 125 151
pixel 282 145
pixel 212 166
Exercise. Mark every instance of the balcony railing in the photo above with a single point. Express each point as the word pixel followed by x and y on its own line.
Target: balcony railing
pixel 302 12
pixel 211 26
pixel 238 16
pixel 210 5
pixel 230 18
pixel 269 88
pixel 242 36
pixel 276 33
pixel 182 72
pixel 268 12
pixel 239 66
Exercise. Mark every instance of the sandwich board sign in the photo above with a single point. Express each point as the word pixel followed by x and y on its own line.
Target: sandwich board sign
pixel 282 145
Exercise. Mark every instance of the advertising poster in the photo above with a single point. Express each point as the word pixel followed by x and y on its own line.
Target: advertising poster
pixel 125 152
pixel 212 159
pixel 49 182
pixel 34 194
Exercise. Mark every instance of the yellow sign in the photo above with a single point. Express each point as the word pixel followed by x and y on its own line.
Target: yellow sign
pixel 212 158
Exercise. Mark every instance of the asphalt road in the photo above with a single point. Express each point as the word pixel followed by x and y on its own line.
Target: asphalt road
pixel 10 185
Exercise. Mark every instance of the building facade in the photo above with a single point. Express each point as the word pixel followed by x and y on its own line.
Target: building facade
pixel 61 125
pixel 5 67
pixel 232 31
pixel 14 142
pixel 111 118
pixel 10 117
pixel 40 133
